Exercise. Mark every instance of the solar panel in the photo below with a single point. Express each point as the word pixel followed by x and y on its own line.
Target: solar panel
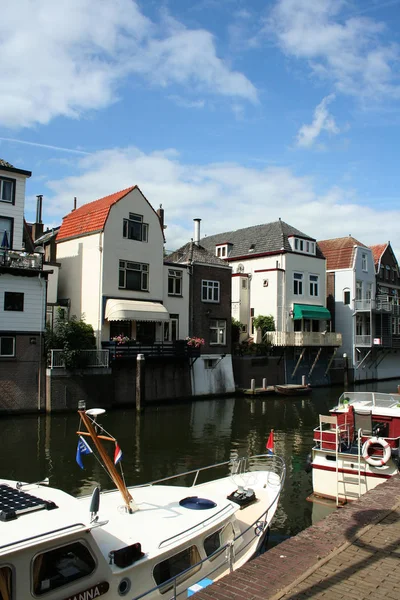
pixel 14 503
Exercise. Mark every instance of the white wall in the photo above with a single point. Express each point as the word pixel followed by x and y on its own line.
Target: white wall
pixel 344 320
pixel 218 380
pixel 32 317
pixel 52 283
pixel 16 211
pixel 178 305
pixel 116 248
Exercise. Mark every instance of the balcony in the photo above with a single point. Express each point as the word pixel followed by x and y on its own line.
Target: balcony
pixel 381 304
pixel 130 350
pixel 86 359
pixel 363 340
pixel 303 338
pixel 17 259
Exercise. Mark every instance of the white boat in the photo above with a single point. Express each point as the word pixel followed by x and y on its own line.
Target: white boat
pixel 152 541
pixel 356 446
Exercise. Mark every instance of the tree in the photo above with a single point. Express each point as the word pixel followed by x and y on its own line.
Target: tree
pixel 265 323
pixel 236 329
pixel 71 336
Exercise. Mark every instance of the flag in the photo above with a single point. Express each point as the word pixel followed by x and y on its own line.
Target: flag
pixel 117 454
pixel 270 443
pixel 4 243
pixel 83 448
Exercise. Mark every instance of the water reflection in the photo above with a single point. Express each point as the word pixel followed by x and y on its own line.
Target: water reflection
pixel 168 439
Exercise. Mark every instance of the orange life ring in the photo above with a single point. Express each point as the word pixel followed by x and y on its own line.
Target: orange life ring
pixel 376 461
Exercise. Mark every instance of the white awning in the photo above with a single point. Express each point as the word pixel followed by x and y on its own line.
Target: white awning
pixel 134 310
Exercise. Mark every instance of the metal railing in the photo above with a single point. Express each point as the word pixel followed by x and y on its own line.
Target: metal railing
pixel 302 338
pixel 87 359
pixel 130 350
pixel 363 340
pixel 227 552
pixel 381 304
pixel 18 259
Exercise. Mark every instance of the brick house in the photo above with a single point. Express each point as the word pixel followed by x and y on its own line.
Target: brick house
pixel 209 315
pixel 23 286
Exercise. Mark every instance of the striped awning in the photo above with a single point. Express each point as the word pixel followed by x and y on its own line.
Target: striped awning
pixel 135 310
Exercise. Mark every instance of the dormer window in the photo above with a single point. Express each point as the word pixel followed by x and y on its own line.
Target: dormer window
pixel 222 250
pixel 252 247
pixel 135 229
pixel 304 246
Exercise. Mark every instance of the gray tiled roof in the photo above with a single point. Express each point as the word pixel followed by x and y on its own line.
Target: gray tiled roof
pixel 270 237
pixel 4 163
pixel 191 251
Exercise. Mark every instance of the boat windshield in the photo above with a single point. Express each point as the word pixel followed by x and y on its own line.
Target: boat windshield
pixel 369 399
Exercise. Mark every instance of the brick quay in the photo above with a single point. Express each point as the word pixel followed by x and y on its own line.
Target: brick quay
pixel 353 553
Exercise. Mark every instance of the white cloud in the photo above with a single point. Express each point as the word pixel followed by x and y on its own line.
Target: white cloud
pixel 353 52
pixel 323 121
pixel 225 195
pixel 68 57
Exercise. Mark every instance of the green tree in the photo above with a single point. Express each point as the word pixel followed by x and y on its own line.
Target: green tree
pixel 236 328
pixel 71 336
pixel 264 322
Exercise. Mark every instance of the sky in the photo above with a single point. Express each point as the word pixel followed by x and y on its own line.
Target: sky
pixel 238 112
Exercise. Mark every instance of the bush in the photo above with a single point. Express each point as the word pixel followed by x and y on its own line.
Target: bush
pixel 71 337
pixel 236 328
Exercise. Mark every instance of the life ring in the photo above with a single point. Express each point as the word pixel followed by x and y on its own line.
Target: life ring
pixel 376 461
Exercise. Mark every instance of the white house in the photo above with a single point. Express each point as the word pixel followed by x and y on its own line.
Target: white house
pixel 278 270
pixel 351 290
pixel 22 300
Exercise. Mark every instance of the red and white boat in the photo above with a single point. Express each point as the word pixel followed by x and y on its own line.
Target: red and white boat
pixel 356 446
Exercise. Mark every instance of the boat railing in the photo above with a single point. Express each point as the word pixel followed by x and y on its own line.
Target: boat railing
pixel 227 552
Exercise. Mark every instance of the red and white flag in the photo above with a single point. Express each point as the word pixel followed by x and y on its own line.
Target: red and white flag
pixel 270 443
pixel 117 454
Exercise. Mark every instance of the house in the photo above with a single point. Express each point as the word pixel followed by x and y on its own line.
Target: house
pixel 351 297
pixel 23 286
pixel 112 273
pixel 280 271
pixel 209 314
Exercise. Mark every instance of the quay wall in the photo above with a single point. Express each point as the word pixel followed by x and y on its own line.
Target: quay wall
pixel 276 572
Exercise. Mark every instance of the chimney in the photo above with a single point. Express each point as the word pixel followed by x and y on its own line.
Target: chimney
pixel 37 227
pixel 197 231
pixel 160 212
pixel 74 203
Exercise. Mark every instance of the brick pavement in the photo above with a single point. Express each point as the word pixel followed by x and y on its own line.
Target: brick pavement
pixel 354 553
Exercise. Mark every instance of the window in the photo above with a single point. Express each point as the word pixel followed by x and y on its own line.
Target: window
pixel 222 251
pixel 393 273
pixel 364 262
pixel 219 538
pixel 133 276
pixel 298 284
pixel 6 227
pixel 6 583
pixel 7 189
pixel 387 271
pixel 174 282
pixel 14 301
pixel 358 290
pixel 301 245
pixel 217 332
pixel 7 346
pixel 61 566
pixel 381 271
pixel 312 247
pixel 252 320
pixel 313 285
pixel 174 565
pixel 210 363
pixel 346 297
pixel 171 329
pixel 244 283
pixel 135 229
pixel 307 246
pixel 359 325
pixel 368 293
pixel 296 244
pixel 209 291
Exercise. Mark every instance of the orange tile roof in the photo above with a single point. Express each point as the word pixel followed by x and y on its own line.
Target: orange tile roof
pixel 339 252
pixel 377 251
pixel 90 217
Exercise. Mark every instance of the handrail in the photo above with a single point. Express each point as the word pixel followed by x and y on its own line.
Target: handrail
pixel 44 534
pixel 176 476
pixel 359 461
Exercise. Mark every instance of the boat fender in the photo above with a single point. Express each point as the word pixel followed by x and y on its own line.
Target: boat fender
pixel 308 463
pixel 376 461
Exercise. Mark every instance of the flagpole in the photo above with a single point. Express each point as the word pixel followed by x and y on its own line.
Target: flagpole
pixel 115 476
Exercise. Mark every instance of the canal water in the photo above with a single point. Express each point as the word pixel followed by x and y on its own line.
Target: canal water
pixel 168 439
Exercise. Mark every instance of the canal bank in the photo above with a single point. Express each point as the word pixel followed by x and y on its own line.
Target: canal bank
pixel 352 553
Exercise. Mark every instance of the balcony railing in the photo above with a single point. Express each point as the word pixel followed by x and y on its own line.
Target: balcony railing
pixel 363 340
pixel 379 304
pixel 130 350
pixel 302 338
pixel 17 259
pixel 86 358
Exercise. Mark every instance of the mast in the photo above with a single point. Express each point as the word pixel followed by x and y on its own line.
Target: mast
pixel 108 463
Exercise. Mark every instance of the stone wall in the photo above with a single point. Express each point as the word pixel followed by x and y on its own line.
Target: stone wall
pixel 246 368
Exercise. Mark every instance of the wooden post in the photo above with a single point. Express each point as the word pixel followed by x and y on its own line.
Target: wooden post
pixel 303 380
pixel 264 383
pixel 253 385
pixel 345 372
pixel 140 389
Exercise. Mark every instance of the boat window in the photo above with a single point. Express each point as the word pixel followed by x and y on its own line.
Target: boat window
pixel 174 565
pixel 217 539
pixel 6 588
pixel 61 566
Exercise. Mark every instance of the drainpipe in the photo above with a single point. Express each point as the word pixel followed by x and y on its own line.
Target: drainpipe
pixel 99 323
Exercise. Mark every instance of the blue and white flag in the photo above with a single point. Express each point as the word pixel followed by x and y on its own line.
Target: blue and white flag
pixel 83 448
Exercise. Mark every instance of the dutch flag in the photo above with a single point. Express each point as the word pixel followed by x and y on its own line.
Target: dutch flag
pixel 117 454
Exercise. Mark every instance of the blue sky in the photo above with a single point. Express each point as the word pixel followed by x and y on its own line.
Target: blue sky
pixel 238 112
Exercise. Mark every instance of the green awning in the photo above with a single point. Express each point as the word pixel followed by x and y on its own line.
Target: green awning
pixel 308 311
